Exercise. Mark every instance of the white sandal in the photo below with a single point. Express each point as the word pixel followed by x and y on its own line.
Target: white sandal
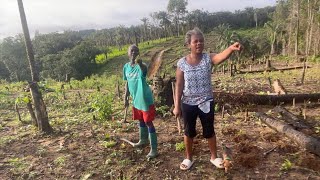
pixel 218 162
pixel 187 163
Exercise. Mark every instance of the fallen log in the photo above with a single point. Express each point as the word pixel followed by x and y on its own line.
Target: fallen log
pixel 309 143
pixel 271 69
pixel 291 118
pixel 247 98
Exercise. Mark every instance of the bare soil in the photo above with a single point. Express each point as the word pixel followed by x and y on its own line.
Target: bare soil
pixel 77 153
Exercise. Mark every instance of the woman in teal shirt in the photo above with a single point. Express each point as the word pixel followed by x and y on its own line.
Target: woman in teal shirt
pixel 135 73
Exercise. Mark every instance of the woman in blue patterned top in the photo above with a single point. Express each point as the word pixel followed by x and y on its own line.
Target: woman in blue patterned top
pixel 194 94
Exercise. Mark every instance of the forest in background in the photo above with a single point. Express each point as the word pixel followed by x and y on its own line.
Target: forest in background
pixel 290 28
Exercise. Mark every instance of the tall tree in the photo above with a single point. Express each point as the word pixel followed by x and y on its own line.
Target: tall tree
pixel 145 28
pixel 178 9
pixel 40 107
pixel 163 18
pixel 14 58
pixel 296 45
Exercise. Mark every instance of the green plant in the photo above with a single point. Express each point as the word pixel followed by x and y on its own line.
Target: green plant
pixel 24 98
pixel 317 129
pixel 101 58
pixel 108 144
pixel 163 111
pixel 41 151
pixel 19 165
pixel 124 162
pixel 286 165
pixel 216 107
pixel 102 106
pixel 5 139
pixel 60 161
pixel 180 146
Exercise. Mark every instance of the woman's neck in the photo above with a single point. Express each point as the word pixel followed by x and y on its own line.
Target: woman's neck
pixel 195 57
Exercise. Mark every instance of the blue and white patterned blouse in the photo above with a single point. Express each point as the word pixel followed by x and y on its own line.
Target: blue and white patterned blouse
pixel 197 80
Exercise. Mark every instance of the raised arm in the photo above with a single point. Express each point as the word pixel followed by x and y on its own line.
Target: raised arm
pixel 143 67
pixel 220 57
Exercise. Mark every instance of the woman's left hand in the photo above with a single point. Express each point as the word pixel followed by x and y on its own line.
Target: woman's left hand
pixel 235 46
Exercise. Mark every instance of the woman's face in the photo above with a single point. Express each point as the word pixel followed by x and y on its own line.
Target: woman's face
pixel 196 44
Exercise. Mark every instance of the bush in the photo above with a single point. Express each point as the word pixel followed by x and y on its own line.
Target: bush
pixel 102 106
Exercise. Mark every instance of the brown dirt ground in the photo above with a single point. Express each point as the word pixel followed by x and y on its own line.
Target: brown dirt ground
pixel 78 154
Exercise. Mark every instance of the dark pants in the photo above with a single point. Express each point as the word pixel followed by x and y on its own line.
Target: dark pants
pixel 190 114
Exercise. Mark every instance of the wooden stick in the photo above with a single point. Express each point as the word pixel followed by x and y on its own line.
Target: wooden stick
pixel 269 151
pixel 303 72
pixel 246 115
pixel 294 102
pixel 125 115
pixel 18 112
pixel 126 140
pixel 174 101
pixel 222 113
pixel 118 90
pixel 178 124
pixel 304 110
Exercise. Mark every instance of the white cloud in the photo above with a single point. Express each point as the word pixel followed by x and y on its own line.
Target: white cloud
pixel 57 15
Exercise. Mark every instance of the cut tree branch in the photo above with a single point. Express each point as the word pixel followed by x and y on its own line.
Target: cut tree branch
pixel 247 98
pixel 290 118
pixel 271 69
pixel 309 143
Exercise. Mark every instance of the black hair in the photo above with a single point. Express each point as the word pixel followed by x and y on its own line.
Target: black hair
pixel 194 31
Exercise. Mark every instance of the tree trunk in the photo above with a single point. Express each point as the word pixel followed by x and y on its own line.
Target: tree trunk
pixel 290 118
pixel 303 71
pixel 308 27
pixel 269 70
pixel 18 112
pixel 41 111
pixel 33 116
pixel 40 108
pixel 291 26
pixel 309 143
pixel 178 28
pixel 245 98
pixel 284 52
pixel 296 46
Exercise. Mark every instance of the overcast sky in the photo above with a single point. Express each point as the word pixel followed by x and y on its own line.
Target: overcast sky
pixel 58 15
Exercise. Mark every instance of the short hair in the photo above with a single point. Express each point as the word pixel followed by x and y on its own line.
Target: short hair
pixel 194 31
pixel 132 46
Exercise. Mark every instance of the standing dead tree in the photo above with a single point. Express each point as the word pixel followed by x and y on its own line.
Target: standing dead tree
pixel 40 108
pixel 278 87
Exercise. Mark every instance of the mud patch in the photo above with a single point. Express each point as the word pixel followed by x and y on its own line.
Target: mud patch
pixel 309 161
pixel 285 147
pixel 270 136
pixel 249 155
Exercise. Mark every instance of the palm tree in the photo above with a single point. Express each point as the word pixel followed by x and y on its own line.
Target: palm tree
pixel 40 107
